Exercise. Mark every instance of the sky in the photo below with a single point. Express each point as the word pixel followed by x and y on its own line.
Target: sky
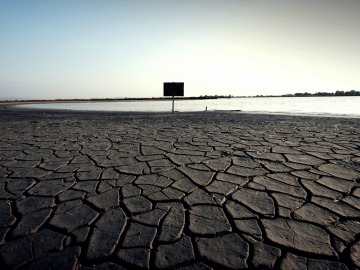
pixel 126 48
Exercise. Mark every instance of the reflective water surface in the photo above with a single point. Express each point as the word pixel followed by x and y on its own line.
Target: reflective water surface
pixel 320 106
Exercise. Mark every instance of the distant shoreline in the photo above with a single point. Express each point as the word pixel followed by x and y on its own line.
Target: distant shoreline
pixel 305 94
pixel 76 100
pixel 27 101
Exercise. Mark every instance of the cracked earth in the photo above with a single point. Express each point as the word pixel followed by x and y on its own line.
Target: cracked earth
pixel 208 190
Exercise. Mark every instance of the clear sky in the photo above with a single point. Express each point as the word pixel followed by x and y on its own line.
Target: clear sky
pixel 118 48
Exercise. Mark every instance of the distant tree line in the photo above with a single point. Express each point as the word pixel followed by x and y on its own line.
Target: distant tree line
pixel 325 94
pixel 213 97
pixel 142 98
pixel 116 99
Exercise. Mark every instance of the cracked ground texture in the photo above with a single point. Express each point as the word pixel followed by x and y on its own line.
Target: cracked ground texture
pixel 215 190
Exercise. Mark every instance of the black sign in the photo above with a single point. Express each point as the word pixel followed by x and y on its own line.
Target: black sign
pixel 173 89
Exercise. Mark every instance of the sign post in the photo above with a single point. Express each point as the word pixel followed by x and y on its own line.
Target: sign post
pixel 173 89
pixel 173 103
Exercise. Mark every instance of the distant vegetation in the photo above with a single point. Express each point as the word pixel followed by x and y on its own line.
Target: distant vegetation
pixel 320 94
pixel 113 99
pixel 306 94
pixel 162 98
pixel 325 94
pixel 213 97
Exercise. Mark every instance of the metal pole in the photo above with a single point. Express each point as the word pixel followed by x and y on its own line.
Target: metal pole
pixel 173 104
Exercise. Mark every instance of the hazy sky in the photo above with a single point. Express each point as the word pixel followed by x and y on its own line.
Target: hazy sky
pixel 114 48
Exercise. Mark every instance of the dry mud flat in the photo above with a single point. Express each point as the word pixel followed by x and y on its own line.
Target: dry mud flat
pixel 180 191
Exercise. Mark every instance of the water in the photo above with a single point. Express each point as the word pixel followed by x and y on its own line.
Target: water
pixel 318 106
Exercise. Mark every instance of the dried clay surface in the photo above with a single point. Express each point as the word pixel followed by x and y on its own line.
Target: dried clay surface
pixel 201 190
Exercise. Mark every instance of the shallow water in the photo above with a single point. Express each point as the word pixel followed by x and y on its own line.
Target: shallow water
pixel 319 106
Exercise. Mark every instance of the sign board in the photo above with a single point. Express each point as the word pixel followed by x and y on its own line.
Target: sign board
pixel 173 89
